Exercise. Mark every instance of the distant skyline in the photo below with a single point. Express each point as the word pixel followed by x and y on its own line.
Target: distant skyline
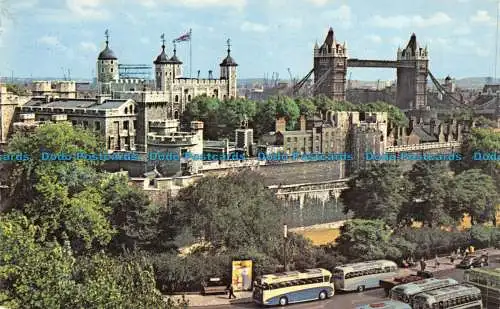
pixel 45 38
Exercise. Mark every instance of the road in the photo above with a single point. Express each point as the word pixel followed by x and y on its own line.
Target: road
pixel 349 300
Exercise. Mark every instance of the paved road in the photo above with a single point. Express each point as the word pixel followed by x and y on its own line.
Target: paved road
pixel 349 300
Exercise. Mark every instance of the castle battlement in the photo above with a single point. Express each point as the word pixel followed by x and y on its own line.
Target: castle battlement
pixel 135 81
pixel 167 123
pixel 174 139
pixel 74 111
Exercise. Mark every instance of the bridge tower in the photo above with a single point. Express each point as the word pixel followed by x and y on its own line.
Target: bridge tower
pixel 330 68
pixel 412 76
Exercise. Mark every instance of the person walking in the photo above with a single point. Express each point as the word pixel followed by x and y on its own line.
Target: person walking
pixel 436 261
pixel 422 264
pixel 230 291
pixel 452 257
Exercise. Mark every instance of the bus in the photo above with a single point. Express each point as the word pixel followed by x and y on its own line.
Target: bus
pixel 293 287
pixel 488 281
pixel 387 304
pixel 365 275
pixel 460 296
pixel 406 292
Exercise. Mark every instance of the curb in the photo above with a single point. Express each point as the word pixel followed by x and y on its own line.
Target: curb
pixel 247 300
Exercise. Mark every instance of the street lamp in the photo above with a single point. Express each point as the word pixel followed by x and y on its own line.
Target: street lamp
pixel 285 236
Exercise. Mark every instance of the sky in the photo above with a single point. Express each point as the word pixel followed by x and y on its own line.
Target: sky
pixel 40 38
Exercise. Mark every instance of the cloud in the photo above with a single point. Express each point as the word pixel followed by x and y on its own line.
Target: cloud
pixel 481 17
pixel 88 46
pixel 462 30
pixel 482 52
pixel 374 38
pixel 404 21
pixel 343 15
pixel 318 2
pixel 87 9
pixel 144 40
pixel 253 27
pixel 196 3
pixel 295 23
pixel 51 42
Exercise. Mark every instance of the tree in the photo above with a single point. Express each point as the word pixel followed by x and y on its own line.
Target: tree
pixel 430 181
pixel 325 104
pixel 474 193
pixel 306 107
pixel 58 196
pixel 377 192
pixel 33 274
pixel 60 138
pixel 234 211
pixel 275 107
pixel 367 240
pixel 394 114
pixel 480 141
pixel 132 215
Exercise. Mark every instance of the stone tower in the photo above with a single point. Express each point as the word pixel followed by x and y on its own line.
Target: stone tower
pixel 228 72
pixel 163 70
pixel 330 59
pixel 412 72
pixel 107 68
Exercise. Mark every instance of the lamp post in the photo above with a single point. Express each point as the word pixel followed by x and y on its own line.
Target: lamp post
pixel 285 237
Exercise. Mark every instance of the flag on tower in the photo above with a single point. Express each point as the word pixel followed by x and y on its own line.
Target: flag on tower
pixel 184 38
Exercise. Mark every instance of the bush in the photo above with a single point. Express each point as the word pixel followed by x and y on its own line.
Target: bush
pixel 484 236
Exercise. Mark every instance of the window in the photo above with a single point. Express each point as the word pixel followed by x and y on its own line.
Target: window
pixel 135 124
pixel 73 122
pixel 176 98
pixel 189 97
pixel 85 124
pixel 42 119
pixel 97 126
pixel 289 139
pixel 125 125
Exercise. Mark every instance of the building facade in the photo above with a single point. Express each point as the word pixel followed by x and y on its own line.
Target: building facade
pixel 170 91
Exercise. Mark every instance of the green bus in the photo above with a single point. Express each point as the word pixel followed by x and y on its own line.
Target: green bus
pixel 488 281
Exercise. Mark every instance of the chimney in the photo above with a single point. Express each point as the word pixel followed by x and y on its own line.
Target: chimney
pixel 280 124
pixel 302 123
pixel 210 74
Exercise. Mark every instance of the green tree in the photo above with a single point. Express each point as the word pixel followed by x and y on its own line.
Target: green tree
pixel 33 274
pixel 234 211
pixel 133 216
pixel 232 113
pixel 325 104
pixel 377 192
pixel 306 107
pixel 275 107
pixel 474 193
pixel 430 181
pixel 367 240
pixel 394 114
pixel 480 141
pixel 58 196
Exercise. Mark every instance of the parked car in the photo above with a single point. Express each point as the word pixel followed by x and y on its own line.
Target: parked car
pixel 213 286
pixel 473 261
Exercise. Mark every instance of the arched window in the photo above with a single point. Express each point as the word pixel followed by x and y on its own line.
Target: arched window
pixel 176 115
pixel 176 98
pixel 189 97
pixel 126 110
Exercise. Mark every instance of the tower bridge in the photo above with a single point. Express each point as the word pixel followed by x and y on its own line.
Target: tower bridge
pixel 331 63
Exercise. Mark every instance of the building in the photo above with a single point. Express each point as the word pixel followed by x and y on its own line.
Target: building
pixel 9 103
pixel 339 133
pixel 330 64
pixel 170 90
pixel 55 89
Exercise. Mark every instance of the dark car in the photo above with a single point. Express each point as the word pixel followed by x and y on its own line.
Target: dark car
pixel 474 261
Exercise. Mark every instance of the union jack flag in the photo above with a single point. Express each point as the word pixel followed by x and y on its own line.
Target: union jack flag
pixel 184 38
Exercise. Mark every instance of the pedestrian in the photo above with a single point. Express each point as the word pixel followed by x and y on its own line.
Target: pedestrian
pixel 436 261
pixel 452 257
pixel 411 261
pixel 486 257
pixel 466 252
pixel 459 253
pixel 422 264
pixel 230 291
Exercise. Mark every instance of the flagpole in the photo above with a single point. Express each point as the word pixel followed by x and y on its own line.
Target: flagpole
pixel 190 54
